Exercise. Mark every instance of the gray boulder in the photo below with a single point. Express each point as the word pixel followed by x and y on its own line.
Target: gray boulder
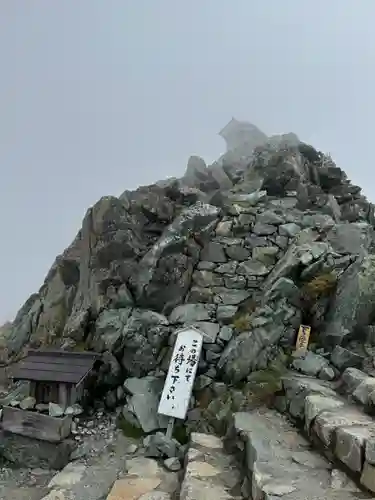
pixel 24 325
pixel 158 445
pixel 343 358
pixel 353 304
pixel 312 364
pixel 135 340
pixel 189 313
pixel 142 403
pixel 303 251
pixel 164 273
pixel 268 324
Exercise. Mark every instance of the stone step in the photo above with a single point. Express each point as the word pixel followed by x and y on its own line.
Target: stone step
pixel 145 480
pixel 90 478
pixel 279 462
pixel 110 479
pixel 339 428
pixel 80 481
pixel 210 472
pixel 117 472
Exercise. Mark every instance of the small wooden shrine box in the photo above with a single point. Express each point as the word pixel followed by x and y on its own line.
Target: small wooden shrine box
pixel 55 376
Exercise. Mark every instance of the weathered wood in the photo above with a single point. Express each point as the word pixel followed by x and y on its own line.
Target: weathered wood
pixel 72 395
pixel 62 353
pixel 51 366
pixel 63 395
pixel 48 376
pixel 35 425
pixel 32 391
pixel 53 393
pixel 47 392
pixel 58 360
pixel 55 366
pixel 80 388
pixel 39 392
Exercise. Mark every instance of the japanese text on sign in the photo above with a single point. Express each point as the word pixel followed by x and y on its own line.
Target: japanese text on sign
pixel 303 338
pixel 178 385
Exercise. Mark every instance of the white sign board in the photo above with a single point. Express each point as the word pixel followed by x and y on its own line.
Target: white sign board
pixel 178 385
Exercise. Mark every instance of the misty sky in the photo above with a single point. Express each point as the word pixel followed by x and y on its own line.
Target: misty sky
pixel 101 96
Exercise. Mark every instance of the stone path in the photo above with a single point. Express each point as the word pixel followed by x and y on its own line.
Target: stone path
pixel 145 480
pixel 121 472
pixel 264 457
pixel 341 429
pixel 99 464
pixel 280 462
pixel 210 473
pixel 24 484
pixel 92 478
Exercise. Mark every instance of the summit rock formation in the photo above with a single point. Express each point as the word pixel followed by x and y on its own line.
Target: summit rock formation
pixel 246 249
pixel 270 236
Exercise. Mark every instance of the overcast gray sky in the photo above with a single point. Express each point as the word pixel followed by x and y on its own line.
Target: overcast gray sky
pixel 101 96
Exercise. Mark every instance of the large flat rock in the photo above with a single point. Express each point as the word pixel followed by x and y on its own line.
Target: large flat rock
pixel 115 474
pixel 210 473
pixel 145 479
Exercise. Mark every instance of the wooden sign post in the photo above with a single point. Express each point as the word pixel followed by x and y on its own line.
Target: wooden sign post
pixel 303 339
pixel 178 386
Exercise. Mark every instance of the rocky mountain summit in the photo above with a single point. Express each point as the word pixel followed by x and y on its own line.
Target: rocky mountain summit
pixel 271 236
pixel 284 238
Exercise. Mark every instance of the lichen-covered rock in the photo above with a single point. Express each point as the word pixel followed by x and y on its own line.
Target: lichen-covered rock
pixel 142 403
pixel 135 337
pixel 164 273
pixel 311 364
pixel 343 358
pixel 353 304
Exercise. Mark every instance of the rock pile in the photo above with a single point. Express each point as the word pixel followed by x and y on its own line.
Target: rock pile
pixel 244 250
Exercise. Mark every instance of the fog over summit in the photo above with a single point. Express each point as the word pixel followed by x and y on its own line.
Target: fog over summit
pixel 138 87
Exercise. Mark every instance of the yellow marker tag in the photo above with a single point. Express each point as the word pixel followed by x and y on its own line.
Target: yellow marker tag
pixel 303 338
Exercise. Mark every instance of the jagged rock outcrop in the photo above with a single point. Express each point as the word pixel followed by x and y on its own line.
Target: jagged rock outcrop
pixel 244 253
pixel 5 330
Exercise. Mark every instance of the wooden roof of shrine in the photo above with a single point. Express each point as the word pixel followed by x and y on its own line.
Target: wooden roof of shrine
pixel 54 366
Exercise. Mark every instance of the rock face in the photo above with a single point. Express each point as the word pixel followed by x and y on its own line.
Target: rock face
pixel 246 250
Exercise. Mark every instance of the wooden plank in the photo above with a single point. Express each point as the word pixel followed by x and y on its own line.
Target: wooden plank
pixel 35 425
pixel 38 392
pixel 47 376
pixel 55 366
pixel 57 362
pixel 53 396
pixel 71 394
pixel 63 395
pixel 27 365
pixel 60 360
pixel 65 354
pixel 32 391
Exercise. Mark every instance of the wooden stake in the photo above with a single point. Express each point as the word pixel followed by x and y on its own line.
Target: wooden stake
pixel 170 426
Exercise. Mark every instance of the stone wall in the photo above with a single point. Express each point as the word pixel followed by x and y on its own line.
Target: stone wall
pixel 337 424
